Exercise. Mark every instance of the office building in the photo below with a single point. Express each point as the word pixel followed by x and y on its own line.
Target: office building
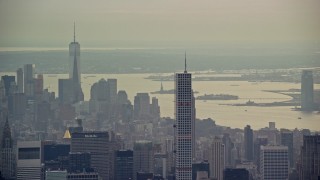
pixel 124 165
pixel 28 77
pixel 79 162
pixel 20 80
pixel 96 143
pixel 184 132
pixel 99 91
pixel 238 174
pixel 122 97
pixel 2 90
pixel 8 81
pixel 55 155
pixel 286 139
pixel 74 54
pixel 7 153
pixel 142 106
pixel 248 143
pixel 65 92
pixel 228 145
pixel 307 103
pixel 200 170
pixel 160 162
pixel 112 90
pixel 250 167
pixel 155 108
pixel 29 160
pixel 19 102
pixel 103 98
pixel 143 157
pixel 259 141
pixel 217 158
pixel 310 158
pixel 38 85
pixel 274 163
pixel 43 114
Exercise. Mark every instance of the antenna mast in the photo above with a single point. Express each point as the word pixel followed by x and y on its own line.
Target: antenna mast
pixel 185 62
pixel 74 32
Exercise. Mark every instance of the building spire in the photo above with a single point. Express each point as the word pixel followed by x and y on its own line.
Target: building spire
pixel 185 62
pixel 74 32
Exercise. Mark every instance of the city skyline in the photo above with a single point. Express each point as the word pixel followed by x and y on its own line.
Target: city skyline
pixel 128 105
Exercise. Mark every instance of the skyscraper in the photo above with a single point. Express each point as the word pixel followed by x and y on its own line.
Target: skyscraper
pixel 28 78
pixel 307 90
pixel 143 157
pixel 76 81
pixel 124 165
pixel 79 162
pixel 260 141
pixel 228 144
pixel 74 53
pixel 200 168
pixel 184 115
pixel 274 163
pixel 55 155
pixel 310 157
pixel 7 153
pixel 96 143
pixel 286 138
pixel 142 106
pixel 112 90
pixel 20 80
pixel 217 158
pixel 38 85
pixel 8 80
pixel 248 143
pixel 65 91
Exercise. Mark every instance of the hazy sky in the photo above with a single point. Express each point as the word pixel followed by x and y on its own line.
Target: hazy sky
pixel 120 23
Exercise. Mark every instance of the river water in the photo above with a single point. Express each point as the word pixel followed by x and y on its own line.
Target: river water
pixel 232 116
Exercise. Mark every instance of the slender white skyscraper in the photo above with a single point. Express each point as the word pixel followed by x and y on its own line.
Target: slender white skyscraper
pixel 217 158
pixel 74 50
pixel 184 134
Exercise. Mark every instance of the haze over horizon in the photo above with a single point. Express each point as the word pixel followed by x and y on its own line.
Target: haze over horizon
pixel 164 23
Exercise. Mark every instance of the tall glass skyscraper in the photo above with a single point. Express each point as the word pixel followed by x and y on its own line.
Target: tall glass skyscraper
pixel 310 157
pixel 248 143
pixel 307 90
pixel 185 117
pixel 74 50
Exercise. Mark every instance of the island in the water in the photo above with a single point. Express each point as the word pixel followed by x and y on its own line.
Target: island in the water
pixel 217 97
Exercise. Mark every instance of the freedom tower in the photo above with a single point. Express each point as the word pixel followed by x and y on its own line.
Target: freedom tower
pixel 74 53
pixel 185 124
